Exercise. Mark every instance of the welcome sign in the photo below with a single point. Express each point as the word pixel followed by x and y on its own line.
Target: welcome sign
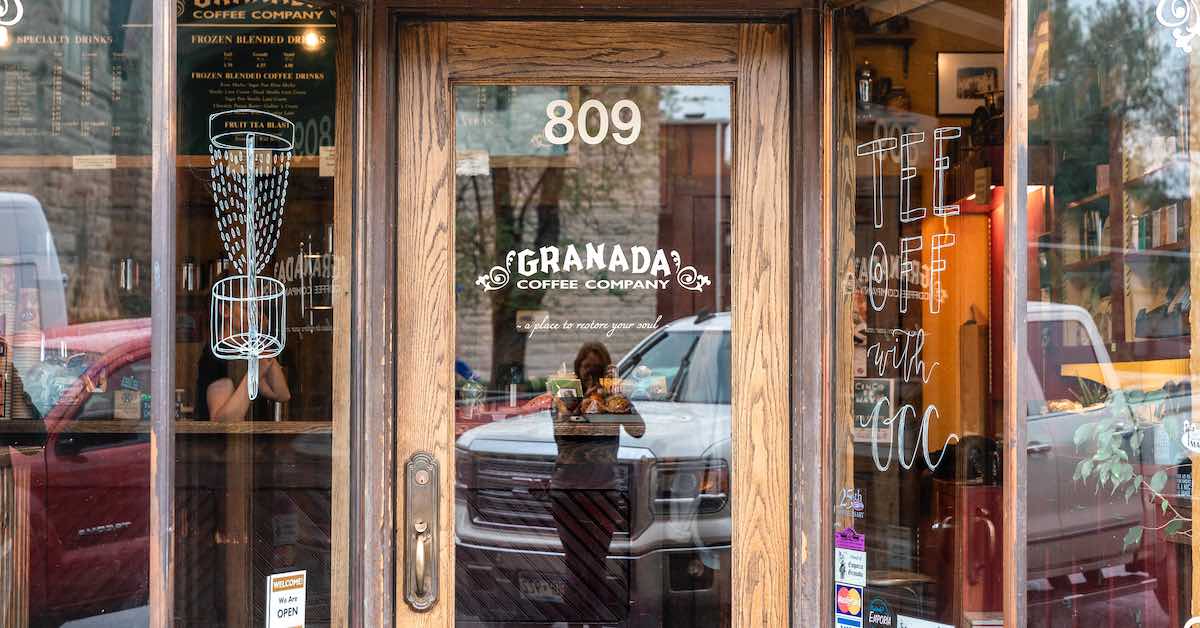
pixel 540 269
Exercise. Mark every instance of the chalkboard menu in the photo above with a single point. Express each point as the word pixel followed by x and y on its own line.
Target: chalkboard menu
pixel 75 79
pixel 273 55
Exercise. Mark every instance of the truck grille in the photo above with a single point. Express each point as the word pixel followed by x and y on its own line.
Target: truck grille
pixel 516 492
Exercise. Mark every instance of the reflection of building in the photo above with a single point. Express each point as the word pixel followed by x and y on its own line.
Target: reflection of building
pixel 86 96
pixel 658 193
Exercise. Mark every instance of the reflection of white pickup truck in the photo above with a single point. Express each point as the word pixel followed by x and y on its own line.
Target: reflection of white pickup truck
pixel 1072 388
pixel 668 561
pixel 28 256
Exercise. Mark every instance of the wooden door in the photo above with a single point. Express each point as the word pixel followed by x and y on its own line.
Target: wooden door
pixel 505 171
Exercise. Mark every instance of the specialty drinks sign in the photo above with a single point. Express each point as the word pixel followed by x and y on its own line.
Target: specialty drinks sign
pixel 75 78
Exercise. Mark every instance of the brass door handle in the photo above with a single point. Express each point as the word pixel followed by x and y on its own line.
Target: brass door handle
pixel 421 494
pixel 422 530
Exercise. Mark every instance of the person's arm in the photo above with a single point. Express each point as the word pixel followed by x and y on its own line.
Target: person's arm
pixel 272 381
pixel 227 403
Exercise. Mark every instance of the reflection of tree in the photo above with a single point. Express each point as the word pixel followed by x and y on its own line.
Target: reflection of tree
pixel 1109 60
pixel 1112 64
pixel 508 345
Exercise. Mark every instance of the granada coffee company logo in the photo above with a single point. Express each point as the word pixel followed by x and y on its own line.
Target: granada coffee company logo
pixel 880 614
pixel 540 269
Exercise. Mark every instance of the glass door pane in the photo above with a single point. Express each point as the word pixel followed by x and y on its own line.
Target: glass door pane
pixel 593 387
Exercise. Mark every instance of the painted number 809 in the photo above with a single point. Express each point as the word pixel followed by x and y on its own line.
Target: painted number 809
pixel 560 129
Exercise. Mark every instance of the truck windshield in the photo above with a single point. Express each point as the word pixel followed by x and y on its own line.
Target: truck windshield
pixel 686 367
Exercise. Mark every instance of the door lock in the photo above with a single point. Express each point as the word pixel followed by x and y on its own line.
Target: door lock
pixel 421 524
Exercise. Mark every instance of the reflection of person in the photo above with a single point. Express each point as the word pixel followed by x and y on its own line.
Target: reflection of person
pixel 589 503
pixel 219 398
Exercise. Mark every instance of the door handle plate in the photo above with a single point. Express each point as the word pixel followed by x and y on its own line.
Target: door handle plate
pixel 421 492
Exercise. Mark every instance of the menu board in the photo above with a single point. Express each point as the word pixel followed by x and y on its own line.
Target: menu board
pixel 275 55
pixel 75 80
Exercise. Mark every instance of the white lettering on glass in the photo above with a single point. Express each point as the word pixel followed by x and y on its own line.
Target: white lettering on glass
pixel 878 273
pixel 904 354
pixel 876 150
pixel 908 172
pixel 542 263
pixel 937 265
pixel 556 120
pixel 908 267
pixel 1183 18
pixel 941 163
pixel 560 129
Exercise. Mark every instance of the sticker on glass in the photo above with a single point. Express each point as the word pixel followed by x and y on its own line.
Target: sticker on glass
pixel 285 599
pixel 848 606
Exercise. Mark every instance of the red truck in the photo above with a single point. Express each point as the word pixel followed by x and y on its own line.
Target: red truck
pixel 89 501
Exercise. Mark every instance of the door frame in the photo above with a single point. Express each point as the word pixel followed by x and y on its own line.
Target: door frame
pixel 409 70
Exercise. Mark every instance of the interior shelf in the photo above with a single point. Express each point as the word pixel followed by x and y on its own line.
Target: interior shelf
pixel 181 427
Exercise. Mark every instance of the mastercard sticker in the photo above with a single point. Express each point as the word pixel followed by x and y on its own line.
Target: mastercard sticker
pixel 849 602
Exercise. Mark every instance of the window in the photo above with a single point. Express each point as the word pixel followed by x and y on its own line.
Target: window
pixel 917 373
pixel 1111 227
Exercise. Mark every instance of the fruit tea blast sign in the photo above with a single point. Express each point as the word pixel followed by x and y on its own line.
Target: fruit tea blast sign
pixel 251 157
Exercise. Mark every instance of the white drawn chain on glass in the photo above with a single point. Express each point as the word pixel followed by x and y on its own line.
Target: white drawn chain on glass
pixel 251 158
pixel 1183 18
pixel 1192 623
pixel 905 353
pixel 559 113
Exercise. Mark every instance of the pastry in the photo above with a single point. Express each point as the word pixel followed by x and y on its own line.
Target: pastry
pixel 591 405
pixel 617 404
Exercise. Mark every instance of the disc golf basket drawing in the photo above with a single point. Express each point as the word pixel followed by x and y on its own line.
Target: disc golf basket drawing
pixel 251 157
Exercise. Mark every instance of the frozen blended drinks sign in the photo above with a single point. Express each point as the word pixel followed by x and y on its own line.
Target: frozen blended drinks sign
pixel 538 269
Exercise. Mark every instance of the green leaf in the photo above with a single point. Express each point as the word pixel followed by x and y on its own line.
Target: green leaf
pixel 1136 441
pixel 1165 506
pixel 1129 491
pixel 1124 473
pixel 1083 433
pixel 1158 481
pixel 1133 536
pixel 1173 527
pixel 1084 468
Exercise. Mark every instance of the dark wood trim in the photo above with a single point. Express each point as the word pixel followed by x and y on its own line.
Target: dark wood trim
pixel 373 402
pixel 162 325
pixel 811 323
pixel 602 9
pixel 343 295
pixel 1016 172
pixel 592 52
pixel 761 210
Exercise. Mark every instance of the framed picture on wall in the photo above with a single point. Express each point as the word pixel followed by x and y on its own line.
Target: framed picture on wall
pixel 963 78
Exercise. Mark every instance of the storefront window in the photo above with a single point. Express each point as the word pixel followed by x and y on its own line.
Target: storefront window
pixel 262 314
pixel 918 251
pixel 593 397
pixel 75 311
pixel 1110 362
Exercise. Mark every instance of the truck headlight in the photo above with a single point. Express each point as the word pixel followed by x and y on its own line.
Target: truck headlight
pixel 696 486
